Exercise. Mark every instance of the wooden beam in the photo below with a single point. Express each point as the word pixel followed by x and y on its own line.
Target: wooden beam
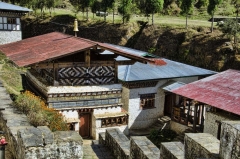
pixel 115 72
pixel 127 62
pixel 195 117
pixel 71 64
pixel 87 58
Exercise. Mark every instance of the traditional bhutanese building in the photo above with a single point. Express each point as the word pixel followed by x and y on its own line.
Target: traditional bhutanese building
pixel 97 85
pixel 10 22
pixel 72 75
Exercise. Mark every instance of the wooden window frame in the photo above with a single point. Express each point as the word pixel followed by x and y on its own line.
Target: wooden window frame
pixel 147 101
pixel 10 23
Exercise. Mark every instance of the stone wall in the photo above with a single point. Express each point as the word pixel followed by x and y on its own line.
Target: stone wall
pixel 201 145
pixel 118 143
pixel 142 148
pixel 138 147
pixel 10 36
pixel 26 141
pixel 230 140
pixel 210 124
pixel 172 150
pixel 41 143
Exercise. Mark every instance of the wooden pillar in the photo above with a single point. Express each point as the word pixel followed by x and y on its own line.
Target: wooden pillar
pixel 202 117
pixel 195 117
pixel 115 72
pixel 87 58
pixel 55 74
pixel 188 111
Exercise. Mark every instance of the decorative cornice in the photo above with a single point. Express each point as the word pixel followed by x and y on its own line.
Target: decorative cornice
pixel 141 84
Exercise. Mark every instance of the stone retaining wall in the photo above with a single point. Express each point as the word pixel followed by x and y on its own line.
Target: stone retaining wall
pixel 118 143
pixel 142 148
pixel 230 140
pixel 172 150
pixel 26 141
pixel 201 145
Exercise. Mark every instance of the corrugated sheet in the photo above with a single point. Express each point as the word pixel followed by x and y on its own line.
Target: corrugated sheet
pixel 11 7
pixel 55 45
pixel 171 85
pixel 172 69
pixel 140 71
pixel 221 91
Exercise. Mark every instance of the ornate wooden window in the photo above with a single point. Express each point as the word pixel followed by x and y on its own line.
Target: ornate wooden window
pixel 147 101
pixel 114 121
pixel 9 23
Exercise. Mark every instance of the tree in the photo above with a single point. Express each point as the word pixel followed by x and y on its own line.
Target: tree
pixel 125 9
pixel 96 6
pixel 231 29
pixel 107 4
pixel 76 6
pixel 236 4
pixel 187 8
pixel 211 9
pixel 154 6
pixel 201 3
pixel 50 4
pixel 86 4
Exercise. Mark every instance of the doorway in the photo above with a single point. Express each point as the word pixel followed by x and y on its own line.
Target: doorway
pixel 170 99
pixel 85 121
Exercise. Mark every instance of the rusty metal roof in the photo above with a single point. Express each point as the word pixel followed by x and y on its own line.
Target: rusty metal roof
pixel 221 90
pixel 55 45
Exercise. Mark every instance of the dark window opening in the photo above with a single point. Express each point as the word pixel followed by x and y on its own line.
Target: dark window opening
pixel 147 101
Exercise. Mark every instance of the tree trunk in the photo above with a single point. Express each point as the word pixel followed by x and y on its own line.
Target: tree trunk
pixel 113 15
pixel 212 23
pixel 152 18
pixel 87 13
pixel 186 21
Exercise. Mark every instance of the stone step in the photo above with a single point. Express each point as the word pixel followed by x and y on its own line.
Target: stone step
pixel 157 126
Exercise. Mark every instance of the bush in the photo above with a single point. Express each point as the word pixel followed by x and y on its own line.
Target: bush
pixel 166 135
pixel 38 113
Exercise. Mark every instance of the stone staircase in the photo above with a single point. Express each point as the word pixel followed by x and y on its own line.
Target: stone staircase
pixel 161 123
pixel 180 137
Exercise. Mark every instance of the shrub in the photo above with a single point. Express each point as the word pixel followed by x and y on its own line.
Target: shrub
pixel 38 113
pixel 166 135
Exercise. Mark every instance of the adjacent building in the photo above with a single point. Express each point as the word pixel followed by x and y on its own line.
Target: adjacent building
pixel 10 22
pixel 218 95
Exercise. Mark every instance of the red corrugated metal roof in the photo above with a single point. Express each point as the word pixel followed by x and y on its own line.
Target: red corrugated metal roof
pixel 221 91
pixel 54 45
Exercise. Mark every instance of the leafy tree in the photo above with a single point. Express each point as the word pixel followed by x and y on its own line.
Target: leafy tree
pixel 85 4
pixel 232 30
pixel 211 9
pixel 50 4
pixel 236 4
pixel 125 9
pixel 187 8
pixel 154 6
pixel 96 6
pixel 201 3
pixel 107 4
pixel 76 6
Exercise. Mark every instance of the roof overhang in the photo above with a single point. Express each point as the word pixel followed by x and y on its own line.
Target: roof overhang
pixel 220 90
pixel 55 45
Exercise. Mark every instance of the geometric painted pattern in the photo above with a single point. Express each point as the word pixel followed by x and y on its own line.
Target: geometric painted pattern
pixel 86 75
